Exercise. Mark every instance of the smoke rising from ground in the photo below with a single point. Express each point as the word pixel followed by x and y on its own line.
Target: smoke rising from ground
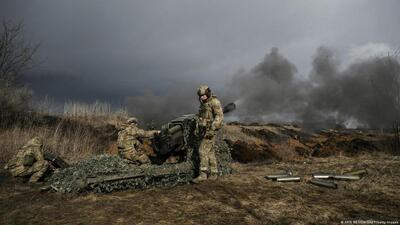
pixel 366 93
pixel 154 110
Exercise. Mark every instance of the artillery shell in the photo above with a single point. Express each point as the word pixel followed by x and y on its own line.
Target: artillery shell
pixel 357 172
pixel 322 175
pixel 346 177
pixel 323 183
pixel 288 179
pixel 276 176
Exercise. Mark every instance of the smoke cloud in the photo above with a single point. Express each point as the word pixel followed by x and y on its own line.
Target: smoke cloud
pixel 154 110
pixel 366 93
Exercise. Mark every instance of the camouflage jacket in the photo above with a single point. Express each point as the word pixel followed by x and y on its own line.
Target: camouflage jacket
pixel 129 137
pixel 16 164
pixel 210 114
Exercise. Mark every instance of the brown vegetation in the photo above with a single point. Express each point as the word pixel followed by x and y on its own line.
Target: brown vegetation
pixel 244 197
pixel 72 139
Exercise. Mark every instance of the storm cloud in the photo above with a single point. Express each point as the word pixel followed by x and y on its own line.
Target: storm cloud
pixel 121 51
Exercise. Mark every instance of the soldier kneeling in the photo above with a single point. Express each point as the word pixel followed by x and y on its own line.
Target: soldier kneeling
pixel 130 142
pixel 29 161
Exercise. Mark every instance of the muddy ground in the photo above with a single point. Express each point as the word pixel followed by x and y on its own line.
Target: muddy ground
pixel 244 197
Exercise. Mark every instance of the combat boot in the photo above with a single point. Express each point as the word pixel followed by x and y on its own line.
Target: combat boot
pixel 202 177
pixel 213 176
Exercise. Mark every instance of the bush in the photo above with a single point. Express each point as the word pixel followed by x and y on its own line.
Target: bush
pixel 14 99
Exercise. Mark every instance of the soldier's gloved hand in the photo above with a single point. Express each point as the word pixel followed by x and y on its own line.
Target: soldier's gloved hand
pixel 210 134
pixel 202 123
pixel 213 127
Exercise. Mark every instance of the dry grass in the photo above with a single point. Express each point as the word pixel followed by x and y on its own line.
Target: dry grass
pixel 96 114
pixel 67 138
pixel 244 197
pixel 96 109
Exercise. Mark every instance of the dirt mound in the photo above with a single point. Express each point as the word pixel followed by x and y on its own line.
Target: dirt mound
pixel 257 142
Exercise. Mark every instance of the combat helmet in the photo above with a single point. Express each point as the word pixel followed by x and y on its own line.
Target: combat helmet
pixel 131 120
pixel 204 90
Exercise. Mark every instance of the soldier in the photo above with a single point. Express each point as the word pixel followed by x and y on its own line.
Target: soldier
pixel 210 121
pixel 29 161
pixel 130 141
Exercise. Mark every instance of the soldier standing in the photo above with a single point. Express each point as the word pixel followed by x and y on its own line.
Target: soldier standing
pixel 210 121
pixel 130 142
pixel 29 161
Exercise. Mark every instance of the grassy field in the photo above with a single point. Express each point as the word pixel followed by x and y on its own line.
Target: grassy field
pixel 245 197
pixel 82 130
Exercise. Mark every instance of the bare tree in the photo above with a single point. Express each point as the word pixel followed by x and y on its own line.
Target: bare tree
pixel 16 54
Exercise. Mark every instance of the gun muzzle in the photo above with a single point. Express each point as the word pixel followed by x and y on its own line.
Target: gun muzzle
pixel 228 108
pixel 323 183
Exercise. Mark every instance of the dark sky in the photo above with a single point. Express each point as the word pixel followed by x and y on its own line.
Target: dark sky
pixel 109 50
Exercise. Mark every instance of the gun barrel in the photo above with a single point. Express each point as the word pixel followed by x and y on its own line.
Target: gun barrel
pixel 288 179
pixel 174 129
pixel 323 183
pixel 229 107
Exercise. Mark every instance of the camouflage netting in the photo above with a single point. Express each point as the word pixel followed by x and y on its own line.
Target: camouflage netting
pixel 106 173
pixel 223 154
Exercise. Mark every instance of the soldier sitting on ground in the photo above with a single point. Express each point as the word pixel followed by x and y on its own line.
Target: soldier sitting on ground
pixel 29 161
pixel 130 142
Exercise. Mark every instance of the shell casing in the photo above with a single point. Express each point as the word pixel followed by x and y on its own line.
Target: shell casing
pixel 323 183
pixel 288 179
pixel 346 177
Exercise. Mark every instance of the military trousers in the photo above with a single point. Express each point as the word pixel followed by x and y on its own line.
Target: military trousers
pixel 208 160
pixel 133 155
pixel 36 171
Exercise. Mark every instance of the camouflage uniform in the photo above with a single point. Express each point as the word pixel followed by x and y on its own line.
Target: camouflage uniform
pixel 210 121
pixel 129 143
pixel 29 161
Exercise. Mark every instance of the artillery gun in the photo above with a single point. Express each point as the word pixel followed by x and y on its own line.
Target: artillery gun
pixel 180 134
pixel 178 138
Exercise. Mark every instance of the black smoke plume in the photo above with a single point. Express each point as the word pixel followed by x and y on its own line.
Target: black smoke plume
pixel 154 110
pixel 365 94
